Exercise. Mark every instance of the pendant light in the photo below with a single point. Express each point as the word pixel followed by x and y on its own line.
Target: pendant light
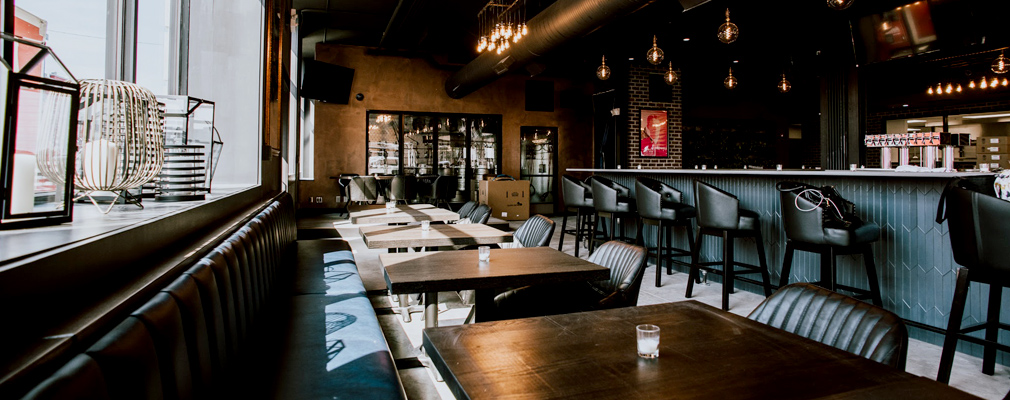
pixel 655 54
pixel 728 31
pixel 840 4
pixel 670 76
pixel 999 65
pixel 784 86
pixel 603 71
pixel 730 82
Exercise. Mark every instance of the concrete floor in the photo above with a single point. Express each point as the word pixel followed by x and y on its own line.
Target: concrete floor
pixel 923 358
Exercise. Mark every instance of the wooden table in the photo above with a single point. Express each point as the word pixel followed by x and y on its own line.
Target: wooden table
pixel 401 214
pixel 405 236
pixel 443 271
pixel 704 353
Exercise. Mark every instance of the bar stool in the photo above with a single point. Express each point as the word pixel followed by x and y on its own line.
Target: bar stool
pixel 578 196
pixel 719 214
pixel 977 231
pixel 662 206
pixel 805 231
pixel 611 201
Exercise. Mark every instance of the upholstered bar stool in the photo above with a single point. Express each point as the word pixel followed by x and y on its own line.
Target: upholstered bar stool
pixel 662 206
pixel 719 214
pixel 611 201
pixel 978 232
pixel 805 231
pixel 578 197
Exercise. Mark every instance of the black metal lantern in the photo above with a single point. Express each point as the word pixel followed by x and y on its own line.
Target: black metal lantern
pixel 39 136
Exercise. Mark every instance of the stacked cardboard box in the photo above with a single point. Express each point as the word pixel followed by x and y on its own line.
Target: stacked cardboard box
pixel 993 151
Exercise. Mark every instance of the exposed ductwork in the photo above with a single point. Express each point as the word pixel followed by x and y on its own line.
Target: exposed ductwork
pixel 561 22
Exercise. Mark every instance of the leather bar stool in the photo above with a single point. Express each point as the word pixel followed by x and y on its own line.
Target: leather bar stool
pixel 578 197
pixel 719 214
pixel 611 201
pixel 805 231
pixel 978 230
pixel 662 206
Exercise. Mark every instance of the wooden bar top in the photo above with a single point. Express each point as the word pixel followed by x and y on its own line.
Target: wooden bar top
pixel 402 236
pixel 401 214
pixel 704 353
pixel 443 271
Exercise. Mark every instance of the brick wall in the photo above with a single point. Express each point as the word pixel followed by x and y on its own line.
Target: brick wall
pixel 875 121
pixel 638 99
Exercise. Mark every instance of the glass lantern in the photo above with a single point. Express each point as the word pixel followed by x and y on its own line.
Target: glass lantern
pixel 37 153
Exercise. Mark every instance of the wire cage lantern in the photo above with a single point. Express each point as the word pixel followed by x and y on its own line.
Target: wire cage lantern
pixel 120 140
pixel 38 107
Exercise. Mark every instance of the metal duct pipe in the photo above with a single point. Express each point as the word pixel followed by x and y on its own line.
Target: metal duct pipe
pixel 561 22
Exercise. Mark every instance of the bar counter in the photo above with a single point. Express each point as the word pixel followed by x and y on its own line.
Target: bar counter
pixel 914 262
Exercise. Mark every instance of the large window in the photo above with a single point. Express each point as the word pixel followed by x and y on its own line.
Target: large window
pixel 75 29
pixel 153 45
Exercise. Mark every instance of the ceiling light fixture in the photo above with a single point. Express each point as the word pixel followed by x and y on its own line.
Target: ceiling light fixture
pixel 784 86
pixel 999 65
pixel 730 82
pixel 501 22
pixel 603 71
pixel 728 31
pixel 670 76
pixel 840 4
pixel 655 54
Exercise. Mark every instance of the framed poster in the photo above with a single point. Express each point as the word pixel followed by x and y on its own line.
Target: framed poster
pixel 654 134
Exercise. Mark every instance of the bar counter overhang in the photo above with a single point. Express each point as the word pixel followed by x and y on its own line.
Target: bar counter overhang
pixel 914 262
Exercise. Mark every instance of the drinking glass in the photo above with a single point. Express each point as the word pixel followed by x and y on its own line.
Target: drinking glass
pixel 484 253
pixel 425 226
pixel 648 340
pixel 390 205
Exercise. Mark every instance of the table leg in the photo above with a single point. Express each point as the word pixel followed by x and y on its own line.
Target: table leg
pixel 484 305
pixel 431 309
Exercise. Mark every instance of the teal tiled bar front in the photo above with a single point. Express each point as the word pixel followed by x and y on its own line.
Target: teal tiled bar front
pixel 914 262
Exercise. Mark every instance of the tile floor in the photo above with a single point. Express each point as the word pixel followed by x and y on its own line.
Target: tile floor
pixel 923 358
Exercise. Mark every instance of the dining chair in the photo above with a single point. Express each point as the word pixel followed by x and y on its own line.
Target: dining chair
pixel 401 189
pixel 364 189
pixel 465 211
pixel 836 320
pixel 480 214
pixel 627 266
pixel 535 232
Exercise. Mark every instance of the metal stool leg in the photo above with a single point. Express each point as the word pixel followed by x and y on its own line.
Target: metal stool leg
pixel 953 326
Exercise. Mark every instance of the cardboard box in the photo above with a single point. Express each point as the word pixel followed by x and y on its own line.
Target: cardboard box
pixel 993 140
pixel 994 158
pixel 990 148
pixel 509 200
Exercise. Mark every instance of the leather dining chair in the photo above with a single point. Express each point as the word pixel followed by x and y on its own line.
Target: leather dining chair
pixel 466 210
pixel 364 189
pixel 401 189
pixel 534 232
pixel 481 214
pixel 836 320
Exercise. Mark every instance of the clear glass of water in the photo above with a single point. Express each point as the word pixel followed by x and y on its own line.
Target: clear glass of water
pixel 648 340
pixel 425 226
pixel 484 253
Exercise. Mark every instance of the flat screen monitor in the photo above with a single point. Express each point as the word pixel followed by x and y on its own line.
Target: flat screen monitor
pixel 326 82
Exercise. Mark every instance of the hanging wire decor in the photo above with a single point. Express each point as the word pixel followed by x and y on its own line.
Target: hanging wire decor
pixel 120 140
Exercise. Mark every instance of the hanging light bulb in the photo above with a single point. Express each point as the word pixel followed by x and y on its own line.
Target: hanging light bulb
pixel 603 71
pixel 995 82
pixel 1004 83
pixel 728 31
pixel 984 84
pixel 999 65
pixel 939 89
pixel 971 84
pixel 958 88
pixel 670 76
pixel 525 29
pixel 840 4
pixel 730 82
pixel 655 54
pixel 482 45
pixel 930 90
pixel 784 86
pixel 950 88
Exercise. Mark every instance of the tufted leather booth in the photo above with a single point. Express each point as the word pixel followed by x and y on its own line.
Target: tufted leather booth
pixel 805 231
pixel 662 206
pixel 719 214
pixel 81 378
pixel 838 321
pixel 612 201
pixel 577 196
pixel 627 265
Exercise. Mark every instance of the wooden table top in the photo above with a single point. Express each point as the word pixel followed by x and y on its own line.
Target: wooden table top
pixel 704 353
pixel 443 271
pixel 403 213
pixel 402 236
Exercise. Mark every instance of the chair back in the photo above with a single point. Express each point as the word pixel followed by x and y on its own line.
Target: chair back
pixel 627 266
pixel 650 195
pixel 576 193
pixel 606 194
pixel 481 214
pixel 803 226
pixel 535 232
pixel 978 231
pixel 401 188
pixel 467 209
pixel 716 208
pixel 443 187
pixel 838 321
pixel 364 188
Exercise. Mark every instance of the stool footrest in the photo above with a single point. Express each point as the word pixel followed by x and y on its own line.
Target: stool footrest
pixel 751 269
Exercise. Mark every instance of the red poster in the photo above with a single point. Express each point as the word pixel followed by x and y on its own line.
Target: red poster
pixel 654 137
